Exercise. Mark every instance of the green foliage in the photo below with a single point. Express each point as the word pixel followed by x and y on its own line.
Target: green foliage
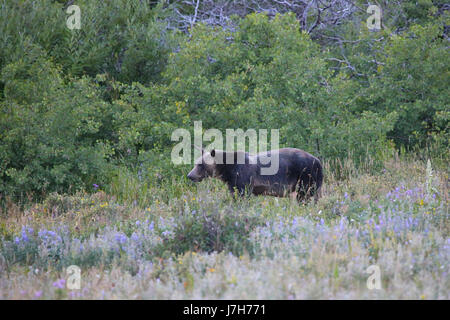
pixel 98 105
pixel 121 38
pixel 39 22
pixel 209 230
pixel 53 134
pixel 414 82
pixel 265 75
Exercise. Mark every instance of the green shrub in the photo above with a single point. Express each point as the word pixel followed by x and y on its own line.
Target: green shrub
pixel 208 231
pixel 99 104
pixel 52 134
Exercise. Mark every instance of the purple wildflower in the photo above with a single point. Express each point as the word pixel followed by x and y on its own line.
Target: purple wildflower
pixel 121 238
pixel 59 283
pixel 166 233
pixel 135 237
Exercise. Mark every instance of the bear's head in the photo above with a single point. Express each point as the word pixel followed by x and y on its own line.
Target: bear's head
pixel 204 167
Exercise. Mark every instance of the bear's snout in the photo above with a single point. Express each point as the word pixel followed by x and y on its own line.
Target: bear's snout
pixel 193 177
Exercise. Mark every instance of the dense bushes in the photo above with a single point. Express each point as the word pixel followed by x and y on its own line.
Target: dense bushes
pixel 414 82
pixel 77 104
pixel 55 134
pixel 270 75
pixel 121 38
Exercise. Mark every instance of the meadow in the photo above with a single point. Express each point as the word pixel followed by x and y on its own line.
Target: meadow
pixel 181 241
pixel 93 92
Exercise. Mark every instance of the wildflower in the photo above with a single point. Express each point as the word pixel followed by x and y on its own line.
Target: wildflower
pixel 95 186
pixel 59 283
pixel 135 237
pixel 51 233
pixel 24 234
pixel 121 238
pixel 38 294
pixel 211 270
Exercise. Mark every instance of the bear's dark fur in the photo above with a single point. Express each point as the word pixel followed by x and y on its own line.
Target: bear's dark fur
pixel 299 173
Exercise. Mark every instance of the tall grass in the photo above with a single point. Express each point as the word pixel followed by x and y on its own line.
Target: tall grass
pixel 159 239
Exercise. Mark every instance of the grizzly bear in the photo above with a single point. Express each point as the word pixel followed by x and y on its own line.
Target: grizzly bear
pixel 298 173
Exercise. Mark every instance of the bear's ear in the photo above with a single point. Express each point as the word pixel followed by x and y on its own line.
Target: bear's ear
pixel 213 153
